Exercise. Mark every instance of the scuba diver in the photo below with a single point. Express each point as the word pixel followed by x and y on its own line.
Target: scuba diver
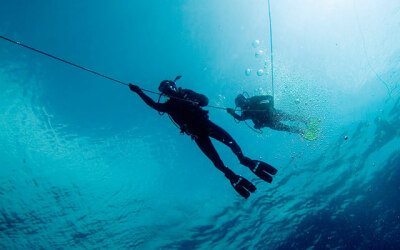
pixel 184 106
pixel 260 109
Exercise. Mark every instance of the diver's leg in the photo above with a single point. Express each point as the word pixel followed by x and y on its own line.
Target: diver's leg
pixel 283 116
pixel 258 167
pixel 208 149
pixel 283 127
pixel 240 184
pixel 221 135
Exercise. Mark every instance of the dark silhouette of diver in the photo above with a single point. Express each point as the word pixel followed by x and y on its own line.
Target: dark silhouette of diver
pixel 184 106
pixel 260 109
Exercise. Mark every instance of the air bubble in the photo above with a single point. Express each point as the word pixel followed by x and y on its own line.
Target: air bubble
pixel 259 53
pixel 247 72
pixel 260 72
pixel 256 43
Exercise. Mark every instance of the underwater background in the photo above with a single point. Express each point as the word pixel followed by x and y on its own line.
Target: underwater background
pixel 84 163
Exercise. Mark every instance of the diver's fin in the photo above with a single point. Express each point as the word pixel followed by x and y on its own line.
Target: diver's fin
pixel 265 167
pixel 242 186
pixel 312 131
pixel 261 169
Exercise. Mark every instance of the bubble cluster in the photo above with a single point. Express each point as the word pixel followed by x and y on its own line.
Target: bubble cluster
pixel 258 54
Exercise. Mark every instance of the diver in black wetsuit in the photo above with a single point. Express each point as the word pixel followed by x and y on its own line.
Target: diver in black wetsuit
pixel 260 109
pixel 185 108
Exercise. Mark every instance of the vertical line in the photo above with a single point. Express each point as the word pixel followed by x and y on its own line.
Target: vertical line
pixel 272 55
pixel 366 54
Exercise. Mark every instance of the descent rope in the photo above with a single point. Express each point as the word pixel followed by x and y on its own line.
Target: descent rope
pixel 272 54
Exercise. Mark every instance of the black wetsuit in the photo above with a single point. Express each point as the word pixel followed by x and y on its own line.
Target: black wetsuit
pixel 194 121
pixel 185 108
pixel 260 109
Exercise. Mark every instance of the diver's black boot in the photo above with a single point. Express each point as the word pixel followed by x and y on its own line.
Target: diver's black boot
pixel 240 184
pixel 259 168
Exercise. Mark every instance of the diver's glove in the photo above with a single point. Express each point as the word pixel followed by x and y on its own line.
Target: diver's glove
pixel 240 184
pixel 134 88
pixel 230 111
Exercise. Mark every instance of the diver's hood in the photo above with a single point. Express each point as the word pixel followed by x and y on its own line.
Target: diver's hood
pixel 240 100
pixel 168 87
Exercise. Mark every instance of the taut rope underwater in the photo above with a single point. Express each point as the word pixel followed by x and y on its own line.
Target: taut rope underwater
pixel 102 75
pixel 62 60
pixel 272 55
pixel 92 71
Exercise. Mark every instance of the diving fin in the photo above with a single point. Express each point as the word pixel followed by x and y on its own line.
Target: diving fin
pixel 312 131
pixel 241 185
pixel 261 169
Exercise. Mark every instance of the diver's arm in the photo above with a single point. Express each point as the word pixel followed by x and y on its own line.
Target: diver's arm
pixel 157 106
pixel 236 116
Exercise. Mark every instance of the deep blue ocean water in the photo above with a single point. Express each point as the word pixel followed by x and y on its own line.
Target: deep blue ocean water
pixel 84 163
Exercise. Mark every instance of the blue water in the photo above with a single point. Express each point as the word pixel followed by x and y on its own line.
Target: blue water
pixel 86 164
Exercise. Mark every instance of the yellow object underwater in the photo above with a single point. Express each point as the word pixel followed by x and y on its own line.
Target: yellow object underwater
pixel 312 130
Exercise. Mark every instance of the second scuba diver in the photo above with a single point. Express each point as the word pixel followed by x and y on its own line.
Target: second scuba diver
pixel 261 110
pixel 184 106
